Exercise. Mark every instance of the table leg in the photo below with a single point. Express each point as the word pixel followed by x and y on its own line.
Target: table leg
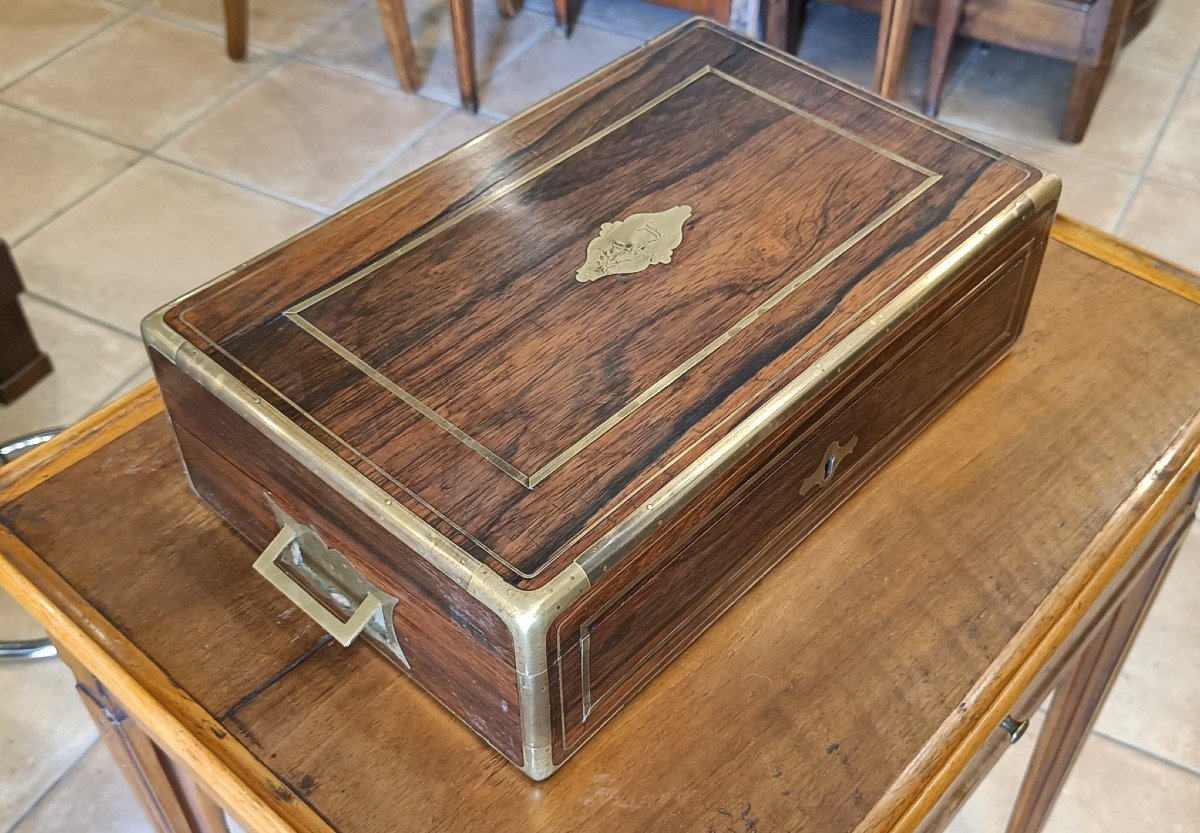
pixel 172 799
pixel 1081 693
pixel 895 33
pixel 462 26
pixel 399 39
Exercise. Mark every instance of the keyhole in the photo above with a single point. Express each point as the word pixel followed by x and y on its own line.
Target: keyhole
pixel 830 466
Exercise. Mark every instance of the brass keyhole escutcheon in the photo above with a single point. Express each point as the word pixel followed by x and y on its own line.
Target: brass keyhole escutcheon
pixel 825 471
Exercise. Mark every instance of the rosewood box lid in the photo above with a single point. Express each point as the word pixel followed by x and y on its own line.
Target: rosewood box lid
pixel 526 342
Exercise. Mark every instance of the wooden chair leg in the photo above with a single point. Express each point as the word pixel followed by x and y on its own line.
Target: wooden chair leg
pixel 399 38
pixel 1080 695
pixel 1102 30
pixel 783 20
pixel 949 14
pixel 235 28
pixel 509 8
pixel 462 25
pixel 562 16
pixel 1086 85
pixel 895 33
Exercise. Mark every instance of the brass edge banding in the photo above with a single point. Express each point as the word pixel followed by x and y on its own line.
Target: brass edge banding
pixel 557 100
pixel 526 613
pixel 529 613
pixel 606 552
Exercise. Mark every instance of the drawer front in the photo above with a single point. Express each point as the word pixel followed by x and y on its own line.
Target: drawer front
pixel 610 644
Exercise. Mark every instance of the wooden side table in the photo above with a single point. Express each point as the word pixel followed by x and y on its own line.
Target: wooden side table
pixel 866 684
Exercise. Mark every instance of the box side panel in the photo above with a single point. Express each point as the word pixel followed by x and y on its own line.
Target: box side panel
pixel 611 642
pixel 457 649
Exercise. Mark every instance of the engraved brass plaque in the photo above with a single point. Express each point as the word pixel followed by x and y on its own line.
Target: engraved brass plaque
pixel 629 246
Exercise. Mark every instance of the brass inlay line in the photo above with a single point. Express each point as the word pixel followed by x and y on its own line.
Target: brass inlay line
pixel 529 481
pixel 560 100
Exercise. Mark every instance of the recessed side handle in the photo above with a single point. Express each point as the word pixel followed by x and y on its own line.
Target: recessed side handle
pixel 343 632
pixel 331 591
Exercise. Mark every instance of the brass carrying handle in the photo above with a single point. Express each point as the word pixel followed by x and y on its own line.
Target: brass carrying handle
pixel 343 632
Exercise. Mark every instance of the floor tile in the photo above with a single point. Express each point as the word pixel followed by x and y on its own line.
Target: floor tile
pixel 153 233
pixel 1177 158
pixel 92 796
pixel 45 166
pixel 34 31
pixel 43 731
pixel 1162 219
pixel 137 81
pixel 357 44
pixel 1171 39
pixel 305 131
pixel 276 24
pixel 90 362
pixel 1155 704
pixel 15 623
pixel 625 17
pixel 1092 193
pixel 1112 789
pixel 448 133
pixel 551 64
pixel 1023 97
pixel 842 41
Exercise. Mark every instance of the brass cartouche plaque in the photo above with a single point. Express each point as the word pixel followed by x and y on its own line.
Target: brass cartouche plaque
pixel 628 246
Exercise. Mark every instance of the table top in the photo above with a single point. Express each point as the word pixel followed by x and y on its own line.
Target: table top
pixel 844 692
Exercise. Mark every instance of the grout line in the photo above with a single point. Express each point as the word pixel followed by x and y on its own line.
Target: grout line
pixel 112 394
pixel 216 31
pixel 248 186
pixel 53 119
pixel 403 148
pixel 91 319
pixel 37 802
pixel 273 61
pixel 1156 756
pixel 1158 137
pixel 65 207
pixel 322 31
pixel 124 14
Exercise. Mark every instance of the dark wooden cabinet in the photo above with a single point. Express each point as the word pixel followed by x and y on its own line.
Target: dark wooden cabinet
pixel 534 416
pixel 22 363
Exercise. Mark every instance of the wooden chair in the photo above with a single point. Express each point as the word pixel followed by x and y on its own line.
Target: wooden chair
pixel 399 38
pixel 1093 33
pixel 1087 33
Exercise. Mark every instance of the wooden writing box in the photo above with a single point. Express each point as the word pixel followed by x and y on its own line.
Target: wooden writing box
pixel 531 418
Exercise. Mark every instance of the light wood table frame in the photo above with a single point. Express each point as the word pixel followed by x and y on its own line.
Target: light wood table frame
pixel 864 685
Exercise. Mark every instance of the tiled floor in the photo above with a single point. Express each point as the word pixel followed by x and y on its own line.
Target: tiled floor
pixel 136 161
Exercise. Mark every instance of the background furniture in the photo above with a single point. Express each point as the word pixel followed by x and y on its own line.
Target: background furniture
pixel 1087 34
pixel 22 363
pixel 236 14
pixel 861 699
pixel 399 39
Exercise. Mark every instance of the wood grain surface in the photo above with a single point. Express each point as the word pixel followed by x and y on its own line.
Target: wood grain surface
pixel 846 691
pixel 434 335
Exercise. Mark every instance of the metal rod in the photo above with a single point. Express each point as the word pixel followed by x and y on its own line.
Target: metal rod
pixel 27 649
